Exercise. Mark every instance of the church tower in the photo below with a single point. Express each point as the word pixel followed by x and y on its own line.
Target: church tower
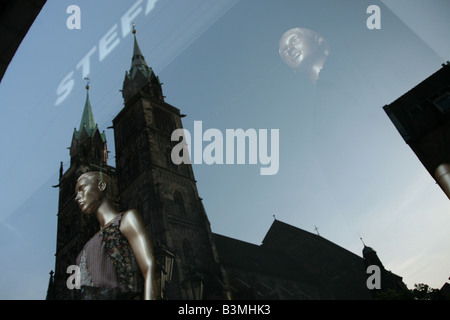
pixel 371 258
pixel 166 194
pixel 88 152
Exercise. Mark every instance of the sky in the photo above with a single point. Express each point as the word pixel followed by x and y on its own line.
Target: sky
pixel 343 166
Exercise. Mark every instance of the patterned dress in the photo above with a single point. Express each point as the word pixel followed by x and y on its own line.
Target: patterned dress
pixel 108 268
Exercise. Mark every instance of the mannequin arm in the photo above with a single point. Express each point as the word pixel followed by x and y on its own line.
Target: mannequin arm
pixel 132 227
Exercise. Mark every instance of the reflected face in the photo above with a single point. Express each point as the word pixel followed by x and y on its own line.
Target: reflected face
pixel 305 48
pixel 88 195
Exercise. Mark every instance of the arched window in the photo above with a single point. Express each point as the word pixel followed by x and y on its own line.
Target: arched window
pixel 188 252
pixel 169 157
pixel 164 120
pixel 179 202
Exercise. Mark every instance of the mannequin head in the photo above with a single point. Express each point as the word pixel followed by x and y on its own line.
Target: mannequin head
pixel 91 190
pixel 304 50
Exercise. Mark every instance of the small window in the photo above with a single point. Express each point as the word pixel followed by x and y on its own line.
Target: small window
pixel 415 110
pixel 443 103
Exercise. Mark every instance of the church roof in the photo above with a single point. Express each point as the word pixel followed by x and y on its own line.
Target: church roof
pixel 248 256
pixel 289 238
pixel 342 269
pixel 292 253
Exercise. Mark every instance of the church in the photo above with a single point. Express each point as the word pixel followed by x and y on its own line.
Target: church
pixel 193 262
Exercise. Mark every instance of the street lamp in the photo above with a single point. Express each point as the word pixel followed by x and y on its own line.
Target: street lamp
pixel 193 285
pixel 164 259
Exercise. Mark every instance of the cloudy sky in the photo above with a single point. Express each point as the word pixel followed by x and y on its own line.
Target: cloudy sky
pixel 343 167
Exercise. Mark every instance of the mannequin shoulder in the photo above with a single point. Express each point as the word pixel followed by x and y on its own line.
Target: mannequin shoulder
pixel 131 220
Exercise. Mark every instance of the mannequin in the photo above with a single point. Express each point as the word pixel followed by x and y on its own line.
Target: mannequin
pixel 111 259
pixel 304 50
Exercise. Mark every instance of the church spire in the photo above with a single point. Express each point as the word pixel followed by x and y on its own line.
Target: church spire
pixel 141 76
pixel 138 57
pixel 138 60
pixel 87 119
pixel 88 143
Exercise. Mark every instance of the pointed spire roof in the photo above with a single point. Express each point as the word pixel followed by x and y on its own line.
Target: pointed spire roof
pixel 138 57
pixel 138 61
pixel 140 76
pixel 87 119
